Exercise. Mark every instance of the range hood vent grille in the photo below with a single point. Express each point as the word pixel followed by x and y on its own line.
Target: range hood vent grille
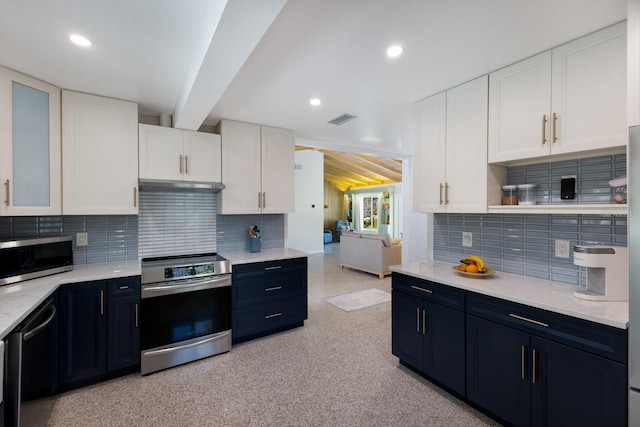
pixel 340 120
pixel 162 185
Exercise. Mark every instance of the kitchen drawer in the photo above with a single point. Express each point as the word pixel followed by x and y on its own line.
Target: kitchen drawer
pixel 264 318
pixel 582 334
pixel 259 290
pixel 123 287
pixel 264 269
pixel 429 291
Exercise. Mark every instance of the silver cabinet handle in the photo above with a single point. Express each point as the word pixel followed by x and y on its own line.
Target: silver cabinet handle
pixel 6 201
pixel 522 351
pixel 264 199
pixel 101 302
pixel 135 197
pixel 270 316
pixel 275 288
pixel 137 314
pixel 446 193
pixel 417 288
pixel 424 322
pixel 440 193
pixel 180 163
pixel 515 316
pixel 418 319
pixel 544 129
pixel 555 126
pixel 186 164
pixel 260 200
pixel 124 287
pixel 533 368
pixel 277 267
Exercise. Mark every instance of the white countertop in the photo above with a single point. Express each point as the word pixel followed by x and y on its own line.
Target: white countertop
pixel 17 301
pixel 264 255
pixel 544 294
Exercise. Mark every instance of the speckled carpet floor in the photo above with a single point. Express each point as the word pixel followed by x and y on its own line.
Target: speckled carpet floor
pixel 337 370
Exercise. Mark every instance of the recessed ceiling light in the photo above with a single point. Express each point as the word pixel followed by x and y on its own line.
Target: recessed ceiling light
pixel 315 101
pixel 80 40
pixel 395 50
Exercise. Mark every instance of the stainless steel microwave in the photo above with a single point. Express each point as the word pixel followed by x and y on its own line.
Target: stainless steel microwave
pixel 23 259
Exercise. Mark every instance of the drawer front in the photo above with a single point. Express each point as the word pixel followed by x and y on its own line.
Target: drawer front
pixel 275 267
pixel 123 286
pixel 429 291
pixel 272 287
pixel 264 317
pixel 589 336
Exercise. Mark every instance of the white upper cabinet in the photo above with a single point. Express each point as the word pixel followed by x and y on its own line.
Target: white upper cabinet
pixel 99 155
pixel 179 155
pixel 29 146
pixel 450 167
pixel 257 169
pixel 565 101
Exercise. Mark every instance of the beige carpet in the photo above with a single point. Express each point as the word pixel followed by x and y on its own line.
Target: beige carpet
pixel 360 299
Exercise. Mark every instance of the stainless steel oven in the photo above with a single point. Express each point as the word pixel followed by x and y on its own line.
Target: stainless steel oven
pixel 185 310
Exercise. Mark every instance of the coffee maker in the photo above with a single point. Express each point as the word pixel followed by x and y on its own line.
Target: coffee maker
pixel 607 272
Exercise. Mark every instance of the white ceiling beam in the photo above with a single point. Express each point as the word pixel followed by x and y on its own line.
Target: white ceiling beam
pixel 236 28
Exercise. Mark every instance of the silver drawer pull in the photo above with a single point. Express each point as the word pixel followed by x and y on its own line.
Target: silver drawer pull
pixel 275 288
pixel 278 267
pixel 515 316
pixel 270 316
pixel 417 288
pixel 124 287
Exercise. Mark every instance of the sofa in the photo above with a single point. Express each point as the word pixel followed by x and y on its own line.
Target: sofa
pixel 373 253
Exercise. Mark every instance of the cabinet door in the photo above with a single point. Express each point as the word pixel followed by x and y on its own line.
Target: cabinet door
pixel 407 339
pixel 30 145
pixel 589 92
pixel 99 155
pixel 497 375
pixel 573 387
pixel 277 170
pixel 430 154
pixel 519 106
pixel 123 333
pixel 202 157
pixel 241 163
pixel 83 328
pixel 160 153
pixel 466 164
pixel 444 347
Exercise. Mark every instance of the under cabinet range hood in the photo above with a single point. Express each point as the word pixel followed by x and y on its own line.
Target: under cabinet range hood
pixel 167 185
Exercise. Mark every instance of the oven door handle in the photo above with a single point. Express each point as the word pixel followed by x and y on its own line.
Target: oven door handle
pixel 178 347
pixel 160 290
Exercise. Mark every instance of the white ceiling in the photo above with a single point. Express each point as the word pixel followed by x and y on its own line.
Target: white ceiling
pixel 261 60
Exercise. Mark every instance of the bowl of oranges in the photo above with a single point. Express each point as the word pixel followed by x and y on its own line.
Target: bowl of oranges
pixel 473 266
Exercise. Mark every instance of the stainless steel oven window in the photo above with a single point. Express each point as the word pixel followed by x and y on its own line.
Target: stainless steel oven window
pixel 176 317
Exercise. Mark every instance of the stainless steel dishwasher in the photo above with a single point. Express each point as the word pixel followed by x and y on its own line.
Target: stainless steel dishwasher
pixel 31 363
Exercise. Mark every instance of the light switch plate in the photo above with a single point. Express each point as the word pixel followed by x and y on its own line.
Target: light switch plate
pixel 563 248
pixel 467 239
pixel 82 239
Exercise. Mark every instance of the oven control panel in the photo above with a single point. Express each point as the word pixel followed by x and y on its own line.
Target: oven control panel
pixel 185 271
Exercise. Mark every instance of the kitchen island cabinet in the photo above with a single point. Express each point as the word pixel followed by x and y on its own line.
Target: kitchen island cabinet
pixel 268 297
pixel 523 364
pixel 428 330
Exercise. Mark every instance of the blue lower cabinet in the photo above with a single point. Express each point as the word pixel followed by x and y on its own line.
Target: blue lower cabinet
pixel 429 338
pixel 527 380
pixel 99 330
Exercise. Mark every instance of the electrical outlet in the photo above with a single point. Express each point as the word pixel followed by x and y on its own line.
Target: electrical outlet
pixel 82 239
pixel 563 248
pixel 467 239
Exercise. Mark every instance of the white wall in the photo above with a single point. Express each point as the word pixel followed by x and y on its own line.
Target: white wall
pixel 305 225
pixel 417 242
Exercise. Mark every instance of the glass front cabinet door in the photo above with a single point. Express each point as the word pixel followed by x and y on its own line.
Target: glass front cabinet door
pixel 30 151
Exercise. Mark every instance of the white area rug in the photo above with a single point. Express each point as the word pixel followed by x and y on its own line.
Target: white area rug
pixel 360 299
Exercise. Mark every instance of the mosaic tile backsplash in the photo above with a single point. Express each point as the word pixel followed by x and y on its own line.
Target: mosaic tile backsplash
pixel 169 223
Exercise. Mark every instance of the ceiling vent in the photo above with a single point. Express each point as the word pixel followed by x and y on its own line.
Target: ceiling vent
pixel 340 120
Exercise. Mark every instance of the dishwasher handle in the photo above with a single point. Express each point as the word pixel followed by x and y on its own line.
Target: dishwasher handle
pixel 28 334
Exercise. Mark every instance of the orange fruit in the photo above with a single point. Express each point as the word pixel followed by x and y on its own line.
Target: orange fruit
pixel 471 268
pixel 462 267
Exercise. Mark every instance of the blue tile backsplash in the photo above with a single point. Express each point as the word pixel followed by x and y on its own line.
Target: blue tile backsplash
pixel 525 244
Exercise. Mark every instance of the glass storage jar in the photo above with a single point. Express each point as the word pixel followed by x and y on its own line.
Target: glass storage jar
pixel 509 194
pixel 619 188
pixel 526 194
